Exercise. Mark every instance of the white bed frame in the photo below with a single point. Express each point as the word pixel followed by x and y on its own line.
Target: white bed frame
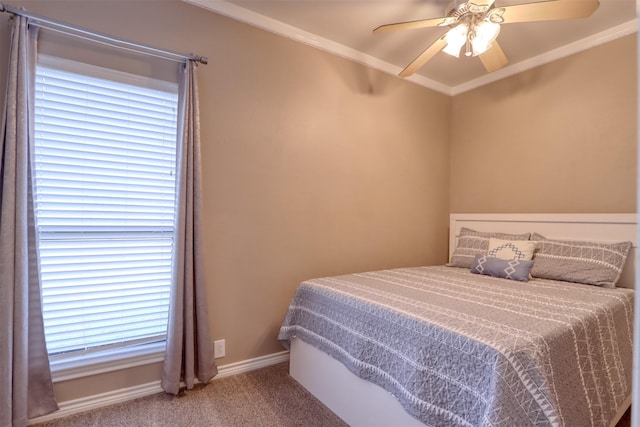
pixel 361 403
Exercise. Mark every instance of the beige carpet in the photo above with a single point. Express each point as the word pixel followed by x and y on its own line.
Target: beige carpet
pixel 264 397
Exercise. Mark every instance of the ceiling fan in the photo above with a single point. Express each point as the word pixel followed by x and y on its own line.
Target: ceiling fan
pixel 475 24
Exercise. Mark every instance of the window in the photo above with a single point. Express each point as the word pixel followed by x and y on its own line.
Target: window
pixel 104 195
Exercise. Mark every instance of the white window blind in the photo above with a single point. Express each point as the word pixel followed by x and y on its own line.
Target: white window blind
pixel 104 192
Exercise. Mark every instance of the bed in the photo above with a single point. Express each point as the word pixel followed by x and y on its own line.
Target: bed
pixel 441 345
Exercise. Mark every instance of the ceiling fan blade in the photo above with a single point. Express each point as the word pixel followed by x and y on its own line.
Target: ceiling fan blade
pixel 410 25
pixel 425 56
pixel 494 58
pixel 549 10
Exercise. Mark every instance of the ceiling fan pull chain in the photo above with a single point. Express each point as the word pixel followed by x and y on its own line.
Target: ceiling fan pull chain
pixel 467 46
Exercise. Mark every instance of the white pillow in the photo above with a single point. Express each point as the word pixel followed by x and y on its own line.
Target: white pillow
pixel 511 249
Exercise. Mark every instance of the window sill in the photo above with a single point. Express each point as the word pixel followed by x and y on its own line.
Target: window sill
pixel 64 368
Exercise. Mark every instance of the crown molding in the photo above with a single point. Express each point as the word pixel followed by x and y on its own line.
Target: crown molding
pixel 247 16
pixel 278 27
pixel 594 40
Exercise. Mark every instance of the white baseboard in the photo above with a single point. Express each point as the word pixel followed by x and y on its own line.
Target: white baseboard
pixel 123 395
pixel 251 364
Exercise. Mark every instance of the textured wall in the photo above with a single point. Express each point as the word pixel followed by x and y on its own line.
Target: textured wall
pixel 313 166
pixel 558 138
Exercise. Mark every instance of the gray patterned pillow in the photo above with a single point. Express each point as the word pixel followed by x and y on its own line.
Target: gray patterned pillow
pixel 592 263
pixel 471 243
pixel 514 269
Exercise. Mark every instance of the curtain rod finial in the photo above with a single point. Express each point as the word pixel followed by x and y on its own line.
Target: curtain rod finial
pixel 201 59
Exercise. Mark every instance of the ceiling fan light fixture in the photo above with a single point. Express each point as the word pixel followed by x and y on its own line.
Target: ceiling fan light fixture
pixel 456 38
pixel 484 34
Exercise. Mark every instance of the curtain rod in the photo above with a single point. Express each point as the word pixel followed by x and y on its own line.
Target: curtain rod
pixel 76 31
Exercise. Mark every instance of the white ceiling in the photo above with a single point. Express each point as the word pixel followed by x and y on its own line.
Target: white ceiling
pixel 345 27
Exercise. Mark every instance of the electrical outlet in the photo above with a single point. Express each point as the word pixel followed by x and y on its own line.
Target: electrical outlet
pixel 218 349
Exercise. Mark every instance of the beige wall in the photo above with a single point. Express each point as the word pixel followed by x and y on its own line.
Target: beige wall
pixel 557 138
pixel 313 166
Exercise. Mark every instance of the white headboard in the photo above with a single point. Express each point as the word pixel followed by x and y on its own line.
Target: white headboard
pixel 596 227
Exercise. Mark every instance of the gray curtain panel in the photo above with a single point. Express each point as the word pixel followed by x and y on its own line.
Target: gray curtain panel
pixel 189 352
pixel 26 389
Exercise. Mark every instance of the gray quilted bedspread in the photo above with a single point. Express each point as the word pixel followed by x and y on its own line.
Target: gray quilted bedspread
pixel 457 348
